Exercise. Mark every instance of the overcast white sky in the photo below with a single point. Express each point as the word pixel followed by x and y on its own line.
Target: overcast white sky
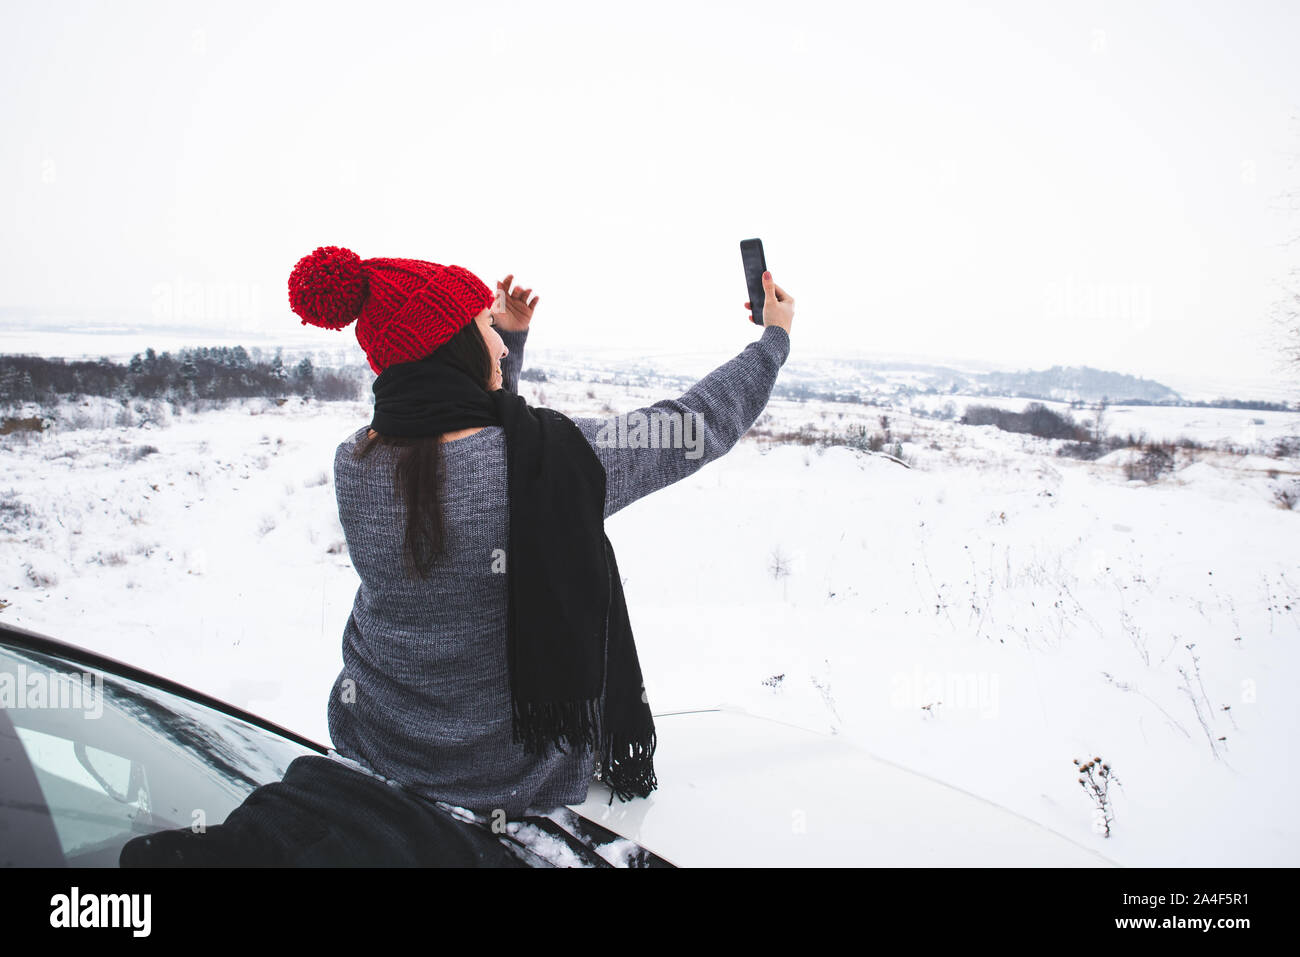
pixel 1022 183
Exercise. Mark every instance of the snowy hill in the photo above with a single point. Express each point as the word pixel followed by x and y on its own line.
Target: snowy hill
pixel 1081 382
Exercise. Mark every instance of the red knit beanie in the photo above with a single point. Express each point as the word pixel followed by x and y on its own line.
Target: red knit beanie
pixel 405 308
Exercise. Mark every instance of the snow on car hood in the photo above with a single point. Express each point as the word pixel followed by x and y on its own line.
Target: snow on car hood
pixel 737 789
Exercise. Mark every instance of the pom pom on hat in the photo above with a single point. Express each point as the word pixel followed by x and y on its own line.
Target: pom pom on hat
pixel 328 287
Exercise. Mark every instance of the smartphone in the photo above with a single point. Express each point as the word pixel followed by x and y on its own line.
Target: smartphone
pixel 751 255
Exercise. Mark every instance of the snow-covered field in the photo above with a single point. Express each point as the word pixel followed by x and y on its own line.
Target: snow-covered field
pixel 985 616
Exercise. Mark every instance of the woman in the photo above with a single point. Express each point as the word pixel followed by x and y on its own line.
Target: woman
pixel 490 623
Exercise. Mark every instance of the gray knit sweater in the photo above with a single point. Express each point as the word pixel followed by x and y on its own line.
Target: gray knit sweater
pixel 424 695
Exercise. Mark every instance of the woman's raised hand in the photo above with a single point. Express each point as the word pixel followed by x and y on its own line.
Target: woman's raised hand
pixel 512 312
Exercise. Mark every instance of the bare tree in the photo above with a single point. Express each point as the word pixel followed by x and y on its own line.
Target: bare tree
pixel 1099 420
pixel 1287 316
pixel 1286 310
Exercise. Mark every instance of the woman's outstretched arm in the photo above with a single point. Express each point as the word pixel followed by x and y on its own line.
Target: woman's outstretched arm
pixel 651 448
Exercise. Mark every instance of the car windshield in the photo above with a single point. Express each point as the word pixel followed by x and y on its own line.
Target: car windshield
pixel 115 758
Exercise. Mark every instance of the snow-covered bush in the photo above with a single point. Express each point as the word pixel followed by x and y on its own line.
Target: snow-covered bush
pixel 1287 495
pixel 1153 463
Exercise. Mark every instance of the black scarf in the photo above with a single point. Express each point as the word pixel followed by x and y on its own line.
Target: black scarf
pixel 566 606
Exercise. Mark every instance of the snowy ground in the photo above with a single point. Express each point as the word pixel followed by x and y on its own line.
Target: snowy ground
pixel 985 616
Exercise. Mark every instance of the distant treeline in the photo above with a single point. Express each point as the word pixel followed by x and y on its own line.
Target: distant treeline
pixel 1037 419
pixel 1251 404
pixel 802 391
pixel 201 373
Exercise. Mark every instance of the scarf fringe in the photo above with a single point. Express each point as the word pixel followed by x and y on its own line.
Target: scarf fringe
pixel 538 725
pixel 626 764
pixel 627 767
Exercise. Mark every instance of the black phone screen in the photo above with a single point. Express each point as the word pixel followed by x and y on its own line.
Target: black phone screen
pixel 751 255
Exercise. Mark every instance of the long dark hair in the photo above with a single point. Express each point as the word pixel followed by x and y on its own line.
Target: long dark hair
pixel 418 474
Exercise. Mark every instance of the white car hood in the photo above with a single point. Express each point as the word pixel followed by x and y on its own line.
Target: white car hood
pixel 736 789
